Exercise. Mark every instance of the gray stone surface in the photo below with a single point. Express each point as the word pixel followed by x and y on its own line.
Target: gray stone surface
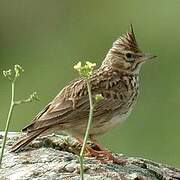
pixel 55 157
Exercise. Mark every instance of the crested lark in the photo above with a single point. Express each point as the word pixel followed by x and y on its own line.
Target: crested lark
pixel 117 79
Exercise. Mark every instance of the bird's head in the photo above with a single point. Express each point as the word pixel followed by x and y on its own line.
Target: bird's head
pixel 126 55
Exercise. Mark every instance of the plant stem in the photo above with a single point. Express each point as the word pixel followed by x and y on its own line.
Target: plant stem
pixel 8 122
pixel 87 130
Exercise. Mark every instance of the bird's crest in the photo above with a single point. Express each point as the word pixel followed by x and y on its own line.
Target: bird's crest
pixel 127 41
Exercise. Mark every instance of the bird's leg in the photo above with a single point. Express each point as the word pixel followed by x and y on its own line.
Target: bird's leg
pixel 99 152
pixel 81 143
pixel 91 151
pixel 95 145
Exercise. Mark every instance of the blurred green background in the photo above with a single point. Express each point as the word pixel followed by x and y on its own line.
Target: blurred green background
pixel 48 37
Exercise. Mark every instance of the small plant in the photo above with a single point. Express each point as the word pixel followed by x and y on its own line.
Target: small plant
pixel 12 76
pixel 85 72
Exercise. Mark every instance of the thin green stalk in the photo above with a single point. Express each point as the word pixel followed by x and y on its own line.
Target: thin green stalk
pixel 12 77
pixel 8 122
pixel 87 131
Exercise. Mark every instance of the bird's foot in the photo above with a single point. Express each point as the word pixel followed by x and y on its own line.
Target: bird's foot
pixel 95 150
pixel 104 156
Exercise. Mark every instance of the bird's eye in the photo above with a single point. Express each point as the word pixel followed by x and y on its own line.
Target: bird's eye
pixel 129 56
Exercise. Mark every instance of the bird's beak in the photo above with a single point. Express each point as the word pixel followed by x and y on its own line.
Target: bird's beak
pixel 148 56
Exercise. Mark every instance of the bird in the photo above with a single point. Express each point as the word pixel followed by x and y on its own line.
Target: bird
pixel 117 80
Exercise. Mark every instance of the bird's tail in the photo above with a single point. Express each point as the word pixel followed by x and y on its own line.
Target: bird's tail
pixel 26 140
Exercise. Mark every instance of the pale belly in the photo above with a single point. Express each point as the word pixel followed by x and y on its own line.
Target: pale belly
pixel 113 122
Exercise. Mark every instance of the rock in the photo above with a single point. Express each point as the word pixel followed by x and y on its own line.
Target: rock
pixel 55 157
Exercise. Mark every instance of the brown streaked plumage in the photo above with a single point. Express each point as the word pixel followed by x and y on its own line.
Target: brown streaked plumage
pixel 117 79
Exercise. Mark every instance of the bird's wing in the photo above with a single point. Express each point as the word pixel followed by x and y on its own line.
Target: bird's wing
pixel 71 106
